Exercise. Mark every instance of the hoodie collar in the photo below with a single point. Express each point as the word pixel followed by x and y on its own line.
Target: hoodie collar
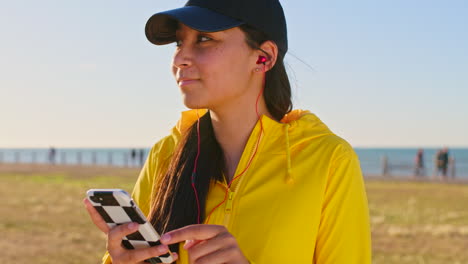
pixel 273 130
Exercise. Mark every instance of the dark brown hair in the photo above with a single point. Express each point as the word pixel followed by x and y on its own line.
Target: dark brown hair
pixel 174 205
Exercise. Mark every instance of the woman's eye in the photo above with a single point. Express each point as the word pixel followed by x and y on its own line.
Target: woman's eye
pixel 203 38
pixel 200 39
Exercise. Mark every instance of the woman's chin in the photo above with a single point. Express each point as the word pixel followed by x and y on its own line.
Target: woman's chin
pixel 192 103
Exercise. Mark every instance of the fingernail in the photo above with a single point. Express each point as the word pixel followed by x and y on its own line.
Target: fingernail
pixel 132 226
pixel 162 249
pixel 175 256
pixel 166 238
pixel 188 244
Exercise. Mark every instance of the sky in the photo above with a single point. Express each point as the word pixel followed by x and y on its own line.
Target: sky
pixel 378 73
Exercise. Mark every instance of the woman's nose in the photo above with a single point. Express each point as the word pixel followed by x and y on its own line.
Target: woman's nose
pixel 183 57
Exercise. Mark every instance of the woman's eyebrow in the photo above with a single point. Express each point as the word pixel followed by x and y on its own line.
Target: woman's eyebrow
pixel 223 32
pixel 179 34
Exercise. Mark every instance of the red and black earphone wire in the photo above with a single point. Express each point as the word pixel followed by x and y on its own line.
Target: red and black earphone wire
pixel 261 60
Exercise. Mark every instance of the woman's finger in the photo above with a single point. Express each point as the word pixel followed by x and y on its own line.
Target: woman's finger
pixel 192 232
pixel 224 255
pixel 95 216
pixel 190 243
pixel 142 254
pixel 207 247
pixel 116 234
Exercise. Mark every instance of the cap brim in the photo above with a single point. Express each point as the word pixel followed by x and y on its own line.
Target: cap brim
pixel 160 28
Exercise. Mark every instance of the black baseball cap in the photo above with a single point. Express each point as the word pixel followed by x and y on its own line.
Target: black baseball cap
pixel 216 15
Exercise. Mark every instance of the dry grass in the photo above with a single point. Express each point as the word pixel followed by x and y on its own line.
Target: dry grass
pixel 418 222
pixel 43 220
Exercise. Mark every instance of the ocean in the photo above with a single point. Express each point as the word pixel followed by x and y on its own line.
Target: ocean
pixel 400 160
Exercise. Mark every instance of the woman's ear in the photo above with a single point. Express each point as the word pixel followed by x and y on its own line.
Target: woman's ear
pixel 271 53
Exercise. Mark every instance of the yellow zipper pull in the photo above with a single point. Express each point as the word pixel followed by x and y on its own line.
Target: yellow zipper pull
pixel 229 202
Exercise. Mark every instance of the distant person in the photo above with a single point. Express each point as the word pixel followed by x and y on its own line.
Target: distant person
pixel 442 162
pixel 52 154
pixel 133 157
pixel 419 163
pixel 385 168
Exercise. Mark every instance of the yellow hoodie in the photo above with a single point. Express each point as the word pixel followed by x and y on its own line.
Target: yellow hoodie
pixel 301 201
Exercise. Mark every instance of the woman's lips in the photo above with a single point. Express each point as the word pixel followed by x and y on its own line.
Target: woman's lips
pixel 187 82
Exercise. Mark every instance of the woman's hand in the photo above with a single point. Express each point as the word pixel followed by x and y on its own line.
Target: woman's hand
pixel 210 244
pixel 118 253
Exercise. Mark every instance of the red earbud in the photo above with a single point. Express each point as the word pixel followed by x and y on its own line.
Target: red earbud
pixel 261 60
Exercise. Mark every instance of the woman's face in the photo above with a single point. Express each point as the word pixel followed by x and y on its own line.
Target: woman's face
pixel 213 70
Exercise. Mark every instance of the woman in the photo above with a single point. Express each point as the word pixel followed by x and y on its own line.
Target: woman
pixel 246 180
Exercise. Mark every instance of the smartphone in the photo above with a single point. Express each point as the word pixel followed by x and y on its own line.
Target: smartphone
pixel 116 207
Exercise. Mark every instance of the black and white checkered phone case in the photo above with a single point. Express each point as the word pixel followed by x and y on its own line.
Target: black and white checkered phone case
pixel 116 208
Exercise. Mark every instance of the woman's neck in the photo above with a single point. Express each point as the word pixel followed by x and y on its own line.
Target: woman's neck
pixel 232 128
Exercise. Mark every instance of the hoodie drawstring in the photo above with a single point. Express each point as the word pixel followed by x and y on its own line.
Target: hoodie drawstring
pixel 289 176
